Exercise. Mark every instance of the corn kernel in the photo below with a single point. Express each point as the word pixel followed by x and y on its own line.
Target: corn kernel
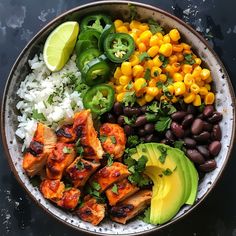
pixel 164 98
pixel 166 49
pixel 186 46
pixel 174 99
pixel 136 31
pixel 166 38
pixel 180 56
pixel 188 79
pixel 156 61
pixel 163 78
pixel 197 71
pixel 152 91
pixel 134 60
pixel 185 51
pixel 141 101
pixel 149 64
pixel 200 83
pixel 209 98
pixel 153 40
pixel 203 91
pixel 142 47
pixel 124 80
pixel 152 51
pixel 122 29
pixel 178 77
pixel 139 84
pixel 205 74
pixel 120 97
pixel 133 35
pixel 143 27
pixel 145 36
pixel 171 89
pixel 155 71
pixel 126 24
pixel 148 98
pixel 180 88
pixel 119 88
pixel 152 83
pixel 197 101
pixel 176 66
pixel 159 35
pixel 174 35
pixel 117 73
pixel 134 24
pixel 198 61
pixel 118 23
pixel 187 68
pixel 189 98
pixel 173 59
pixel 208 86
pixel 126 68
pixel 194 88
pixel 208 80
pixel 178 48
pixel 138 70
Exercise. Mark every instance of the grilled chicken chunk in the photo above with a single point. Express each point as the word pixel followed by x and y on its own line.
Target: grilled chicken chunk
pixel 43 142
pixel 59 159
pixel 131 206
pixel 66 134
pixel 83 126
pixel 70 199
pixel 52 189
pixel 91 211
pixel 80 171
pixel 109 175
pixel 114 139
pixel 119 191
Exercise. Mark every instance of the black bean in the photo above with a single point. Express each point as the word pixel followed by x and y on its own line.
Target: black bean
pixel 216 133
pixel 195 156
pixel 149 128
pixel 187 133
pixel 204 151
pixel 208 166
pixel 110 118
pixel 191 109
pixel 189 142
pixel 121 120
pixel 215 118
pixel 165 141
pixel 207 126
pixel 178 116
pixel 197 126
pixel 117 108
pixel 128 130
pixel 202 137
pixel 177 130
pixel 143 109
pixel 127 111
pixel 141 120
pixel 208 110
pixel 214 148
pixel 141 132
pixel 187 121
pixel 169 136
pixel 149 138
pixel 200 116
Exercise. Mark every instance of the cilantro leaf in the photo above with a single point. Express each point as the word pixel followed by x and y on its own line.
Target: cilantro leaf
pixel 163 155
pixel 163 124
pixel 96 185
pixel 129 121
pixel 79 165
pixel 67 150
pixel 178 144
pixel 109 159
pixel 130 85
pixel 50 99
pixel 115 189
pixel 164 61
pixel 38 116
pixel 147 75
pixel 103 138
pixel 155 27
pixel 146 216
pixel 141 164
pixel 167 172
pixel 143 56
pixel 129 98
pixel 189 59
pixel 129 161
pixel 166 92
pixel 100 101
pixel 133 141
pixel 132 11
pixel 113 139
pixel 154 107
pixel 201 107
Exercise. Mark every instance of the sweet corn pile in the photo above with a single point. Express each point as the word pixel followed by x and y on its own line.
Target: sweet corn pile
pixel 161 68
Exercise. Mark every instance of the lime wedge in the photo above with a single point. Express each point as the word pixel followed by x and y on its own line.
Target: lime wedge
pixel 60 44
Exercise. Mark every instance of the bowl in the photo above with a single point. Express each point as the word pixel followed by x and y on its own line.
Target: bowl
pixel 225 103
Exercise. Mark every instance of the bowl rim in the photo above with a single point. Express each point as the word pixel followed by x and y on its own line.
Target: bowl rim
pixel 107 2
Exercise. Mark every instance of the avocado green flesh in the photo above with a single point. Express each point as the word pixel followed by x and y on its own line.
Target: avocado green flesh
pixel 170 192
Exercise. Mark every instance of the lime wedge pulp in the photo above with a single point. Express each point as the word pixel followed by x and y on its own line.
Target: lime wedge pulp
pixel 60 44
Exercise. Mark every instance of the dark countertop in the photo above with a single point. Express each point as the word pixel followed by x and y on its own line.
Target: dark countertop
pixel 21 19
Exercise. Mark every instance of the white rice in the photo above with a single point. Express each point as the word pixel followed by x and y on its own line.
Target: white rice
pixel 50 94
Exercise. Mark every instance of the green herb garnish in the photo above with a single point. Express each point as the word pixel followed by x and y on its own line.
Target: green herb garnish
pixel 113 139
pixel 167 172
pixel 38 116
pixel 115 189
pixel 155 27
pixel 144 56
pixel 67 150
pixel 129 98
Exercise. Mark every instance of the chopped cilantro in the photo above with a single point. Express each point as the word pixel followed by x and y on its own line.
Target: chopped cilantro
pixel 169 81
pixel 132 11
pixel 178 144
pixel 146 216
pixel 154 107
pixel 163 124
pixel 147 75
pixel 141 164
pixel 79 148
pixel 159 84
pixel 163 155
pixel 109 159
pixel 201 107
pixel 189 59
pixel 133 141
pixel 143 56
pixel 115 189
pixel 67 150
pixel 80 165
pixel 155 27
pixel 99 100
pixel 130 85
pixel 81 88
pixel 129 98
pixel 129 121
pixel 103 138
pixel 164 61
pixel 166 92
pixel 96 185
pixel 113 139
pixel 167 172
pixel 151 117
pixel 38 116
pixel 50 99
pixel 129 161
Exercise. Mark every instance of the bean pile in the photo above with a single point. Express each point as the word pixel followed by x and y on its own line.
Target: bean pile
pixel 197 130
pixel 200 133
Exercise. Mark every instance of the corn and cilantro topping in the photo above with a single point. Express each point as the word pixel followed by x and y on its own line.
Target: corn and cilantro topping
pixel 161 67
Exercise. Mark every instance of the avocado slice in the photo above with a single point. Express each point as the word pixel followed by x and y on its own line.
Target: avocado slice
pixel 174 178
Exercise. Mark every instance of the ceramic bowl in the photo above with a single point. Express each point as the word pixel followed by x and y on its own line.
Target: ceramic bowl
pixel 224 103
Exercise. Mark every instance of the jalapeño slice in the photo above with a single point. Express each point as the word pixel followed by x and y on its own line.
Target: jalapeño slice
pixel 119 47
pixel 91 35
pixel 82 45
pixel 106 31
pixel 95 21
pixel 99 99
